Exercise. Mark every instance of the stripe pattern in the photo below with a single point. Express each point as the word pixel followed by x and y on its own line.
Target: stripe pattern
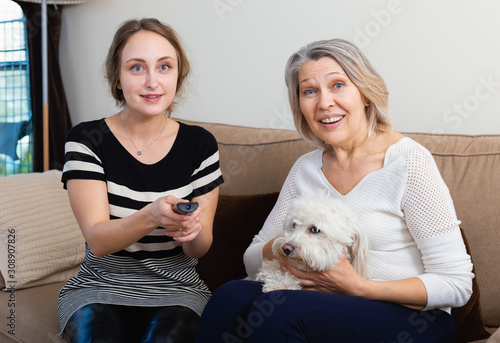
pixel 153 271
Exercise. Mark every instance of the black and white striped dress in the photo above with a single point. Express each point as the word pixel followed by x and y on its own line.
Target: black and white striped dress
pixel 154 271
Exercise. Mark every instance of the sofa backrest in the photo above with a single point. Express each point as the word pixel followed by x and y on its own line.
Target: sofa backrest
pixel 253 160
pixel 257 161
pixel 470 166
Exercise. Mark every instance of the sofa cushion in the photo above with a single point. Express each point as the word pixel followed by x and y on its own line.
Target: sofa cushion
pixel 468 318
pixel 35 315
pixel 237 220
pixel 40 241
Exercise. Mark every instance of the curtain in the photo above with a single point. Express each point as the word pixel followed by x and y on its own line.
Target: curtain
pixel 59 118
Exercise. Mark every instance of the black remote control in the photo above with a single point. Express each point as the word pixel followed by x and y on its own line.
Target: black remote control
pixel 185 207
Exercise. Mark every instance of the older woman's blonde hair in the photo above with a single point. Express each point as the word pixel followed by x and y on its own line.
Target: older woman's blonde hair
pixel 360 72
pixel 123 34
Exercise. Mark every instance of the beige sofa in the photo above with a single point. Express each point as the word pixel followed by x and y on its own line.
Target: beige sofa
pixel 40 243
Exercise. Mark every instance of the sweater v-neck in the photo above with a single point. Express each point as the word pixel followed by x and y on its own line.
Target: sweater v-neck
pixel 365 178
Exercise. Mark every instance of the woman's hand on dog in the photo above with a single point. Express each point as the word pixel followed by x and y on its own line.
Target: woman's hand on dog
pixel 342 279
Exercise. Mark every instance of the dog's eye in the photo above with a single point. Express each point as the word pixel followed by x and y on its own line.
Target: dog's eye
pixel 295 225
pixel 314 229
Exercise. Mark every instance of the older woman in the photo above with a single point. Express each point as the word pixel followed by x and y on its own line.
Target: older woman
pixel 420 268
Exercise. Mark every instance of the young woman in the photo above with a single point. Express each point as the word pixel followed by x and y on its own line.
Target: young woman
pixel 420 268
pixel 124 175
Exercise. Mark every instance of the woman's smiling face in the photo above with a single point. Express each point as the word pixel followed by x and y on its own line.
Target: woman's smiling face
pixel 148 73
pixel 332 105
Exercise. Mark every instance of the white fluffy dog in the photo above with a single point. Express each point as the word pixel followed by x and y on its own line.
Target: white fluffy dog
pixel 316 232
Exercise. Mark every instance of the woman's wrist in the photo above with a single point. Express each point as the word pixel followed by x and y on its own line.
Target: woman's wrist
pixel 199 245
pixel 408 292
pixel 365 289
pixel 147 216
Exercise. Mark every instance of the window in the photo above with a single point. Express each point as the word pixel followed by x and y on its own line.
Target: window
pixel 16 138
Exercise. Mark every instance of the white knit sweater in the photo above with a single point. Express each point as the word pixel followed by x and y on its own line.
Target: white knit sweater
pixel 409 217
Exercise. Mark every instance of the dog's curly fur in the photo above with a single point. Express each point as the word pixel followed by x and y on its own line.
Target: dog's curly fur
pixel 316 232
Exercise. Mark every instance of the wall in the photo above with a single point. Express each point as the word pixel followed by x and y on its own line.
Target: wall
pixel 440 59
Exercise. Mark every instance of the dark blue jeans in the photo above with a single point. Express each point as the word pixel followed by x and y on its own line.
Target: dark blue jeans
pixel 239 312
pixel 105 323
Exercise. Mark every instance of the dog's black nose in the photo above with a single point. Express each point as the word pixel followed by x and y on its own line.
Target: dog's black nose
pixel 288 249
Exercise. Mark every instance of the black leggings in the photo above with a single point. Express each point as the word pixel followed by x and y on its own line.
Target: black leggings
pixel 105 323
